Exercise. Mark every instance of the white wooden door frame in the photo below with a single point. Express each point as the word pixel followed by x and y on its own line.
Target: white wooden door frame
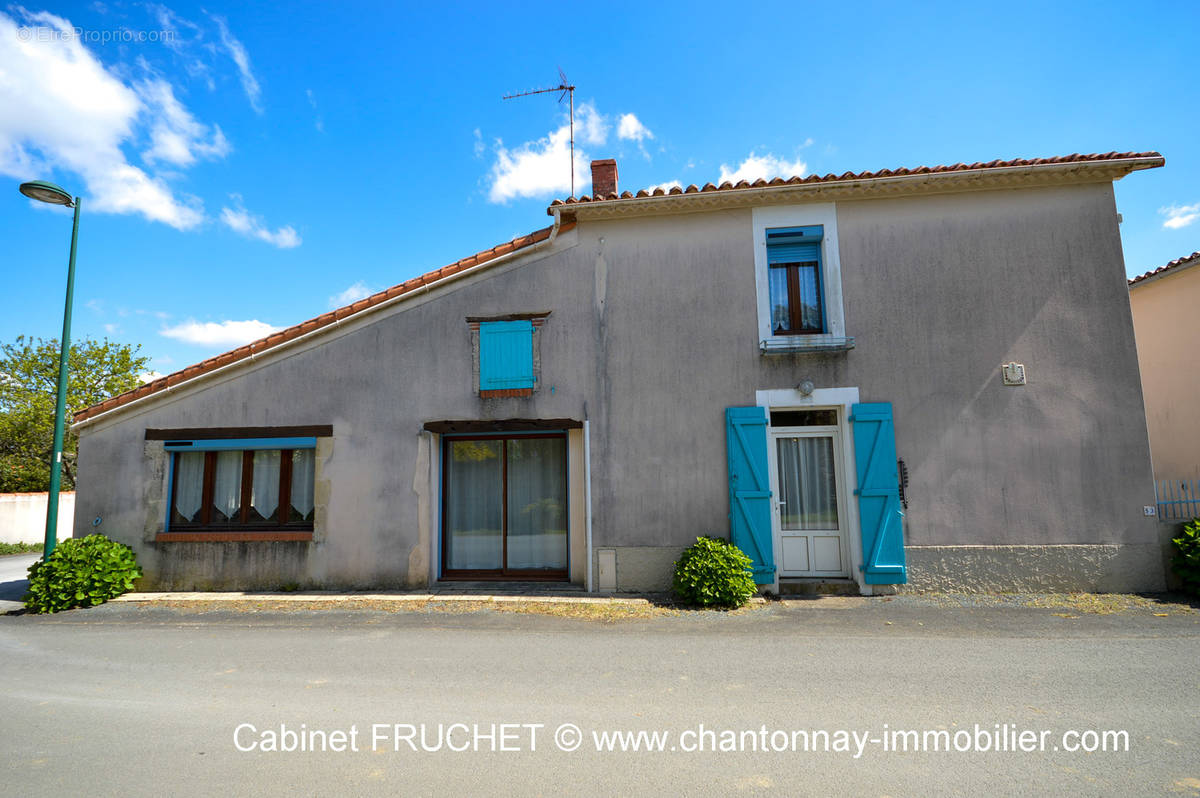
pixel 841 399
pixel 774 435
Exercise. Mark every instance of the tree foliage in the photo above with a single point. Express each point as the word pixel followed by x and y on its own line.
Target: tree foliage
pixel 97 370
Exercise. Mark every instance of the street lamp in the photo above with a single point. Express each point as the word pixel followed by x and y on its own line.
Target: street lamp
pixel 48 192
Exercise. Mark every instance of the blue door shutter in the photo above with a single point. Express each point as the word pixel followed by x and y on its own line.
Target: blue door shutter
pixel 878 494
pixel 505 355
pixel 750 489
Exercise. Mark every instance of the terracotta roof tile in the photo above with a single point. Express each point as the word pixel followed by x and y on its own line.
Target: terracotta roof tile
pixel 831 178
pixel 1186 260
pixel 311 325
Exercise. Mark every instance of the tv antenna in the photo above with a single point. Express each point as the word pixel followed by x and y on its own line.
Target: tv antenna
pixel 567 90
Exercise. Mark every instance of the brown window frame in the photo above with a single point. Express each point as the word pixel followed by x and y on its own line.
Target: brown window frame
pixel 243 528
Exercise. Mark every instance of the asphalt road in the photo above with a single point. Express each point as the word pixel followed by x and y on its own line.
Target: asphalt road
pixel 122 700
pixel 14 582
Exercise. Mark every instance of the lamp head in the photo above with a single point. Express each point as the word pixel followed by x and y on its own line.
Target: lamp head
pixel 46 192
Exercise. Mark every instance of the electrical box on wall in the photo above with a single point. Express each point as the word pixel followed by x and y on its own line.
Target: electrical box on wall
pixel 1013 373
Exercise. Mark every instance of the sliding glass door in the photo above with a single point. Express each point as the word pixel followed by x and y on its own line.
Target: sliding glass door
pixel 504 511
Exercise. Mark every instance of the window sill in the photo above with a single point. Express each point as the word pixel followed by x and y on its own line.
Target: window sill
pixel 506 393
pixel 801 344
pixel 232 537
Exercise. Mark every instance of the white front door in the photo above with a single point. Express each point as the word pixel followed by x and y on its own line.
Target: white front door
pixel 807 484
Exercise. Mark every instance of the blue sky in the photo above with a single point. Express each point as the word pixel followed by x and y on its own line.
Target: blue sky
pixel 245 168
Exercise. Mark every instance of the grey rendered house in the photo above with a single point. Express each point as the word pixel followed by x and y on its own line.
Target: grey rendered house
pixel 923 377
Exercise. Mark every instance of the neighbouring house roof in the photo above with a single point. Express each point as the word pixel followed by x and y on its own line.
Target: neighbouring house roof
pixel 1175 265
pixel 326 320
pixel 956 177
pixel 1040 171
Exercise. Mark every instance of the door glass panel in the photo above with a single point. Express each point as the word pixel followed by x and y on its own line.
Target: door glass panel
pixel 804 418
pixel 807 483
pixel 537 504
pixel 474 505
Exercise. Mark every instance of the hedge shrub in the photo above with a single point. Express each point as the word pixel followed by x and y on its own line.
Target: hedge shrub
pixel 1186 562
pixel 713 573
pixel 81 572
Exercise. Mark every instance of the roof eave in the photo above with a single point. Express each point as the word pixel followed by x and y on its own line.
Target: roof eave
pixel 222 364
pixel 1176 267
pixel 1027 175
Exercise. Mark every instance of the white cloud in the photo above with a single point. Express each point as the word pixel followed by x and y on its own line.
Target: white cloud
pixel 237 51
pixel 590 127
pixel 1179 216
pixel 175 135
pixel 64 111
pixel 665 186
pixel 630 128
pixel 242 221
pixel 225 333
pixel 536 168
pixel 479 146
pixel 150 376
pixel 764 166
pixel 358 291
pixel 112 329
pixel 169 22
pixel 319 123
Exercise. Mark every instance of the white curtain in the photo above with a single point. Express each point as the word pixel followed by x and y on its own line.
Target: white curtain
pixel 810 300
pixel 304 464
pixel 264 489
pixel 778 287
pixel 474 505
pixel 227 486
pixel 537 503
pixel 807 483
pixel 189 484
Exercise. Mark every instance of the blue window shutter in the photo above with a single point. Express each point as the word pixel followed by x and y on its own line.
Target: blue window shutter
pixel 878 494
pixel 505 355
pixel 749 489
pixel 795 244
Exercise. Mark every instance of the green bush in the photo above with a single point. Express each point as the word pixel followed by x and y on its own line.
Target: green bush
pixel 713 573
pixel 1186 562
pixel 20 548
pixel 81 572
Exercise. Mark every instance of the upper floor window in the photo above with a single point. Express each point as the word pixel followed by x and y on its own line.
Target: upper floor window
pixel 794 280
pixel 506 355
pixel 249 484
pixel 797 273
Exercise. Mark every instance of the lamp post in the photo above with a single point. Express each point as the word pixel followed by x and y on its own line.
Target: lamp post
pixel 48 192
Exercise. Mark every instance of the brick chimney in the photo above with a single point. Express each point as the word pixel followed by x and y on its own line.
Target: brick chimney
pixel 604 178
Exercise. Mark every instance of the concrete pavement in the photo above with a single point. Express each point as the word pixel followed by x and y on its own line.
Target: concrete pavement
pixel 130 699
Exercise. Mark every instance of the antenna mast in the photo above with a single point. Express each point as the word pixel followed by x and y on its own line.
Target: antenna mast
pixel 568 91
